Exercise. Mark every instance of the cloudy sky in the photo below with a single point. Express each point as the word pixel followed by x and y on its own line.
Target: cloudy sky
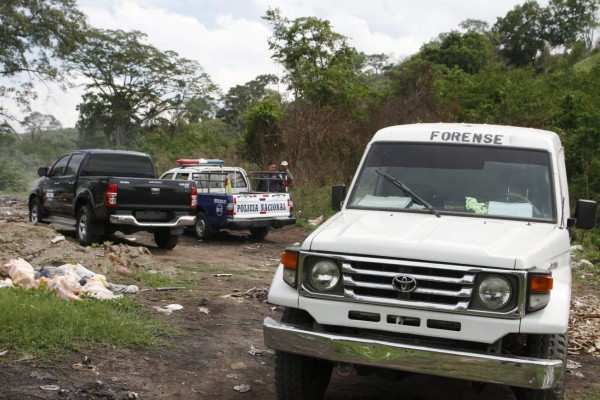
pixel 229 38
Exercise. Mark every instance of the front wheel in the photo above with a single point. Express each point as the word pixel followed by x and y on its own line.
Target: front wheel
pixel 298 377
pixel 259 233
pixel 84 226
pixel 35 211
pixel 165 239
pixel 546 347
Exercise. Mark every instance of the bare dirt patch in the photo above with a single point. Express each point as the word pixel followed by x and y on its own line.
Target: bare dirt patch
pixel 223 354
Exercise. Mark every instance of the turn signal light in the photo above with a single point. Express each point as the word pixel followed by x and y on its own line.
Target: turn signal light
pixel 289 260
pixel 541 283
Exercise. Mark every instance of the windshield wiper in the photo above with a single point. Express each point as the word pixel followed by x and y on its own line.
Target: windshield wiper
pixel 410 193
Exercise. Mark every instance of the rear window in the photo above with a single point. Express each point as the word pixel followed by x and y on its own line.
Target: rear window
pixel 136 166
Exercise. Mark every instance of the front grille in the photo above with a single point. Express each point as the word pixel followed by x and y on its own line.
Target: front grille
pixel 449 288
pixel 414 284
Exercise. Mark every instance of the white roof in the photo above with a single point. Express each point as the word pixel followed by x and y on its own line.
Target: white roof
pixel 480 134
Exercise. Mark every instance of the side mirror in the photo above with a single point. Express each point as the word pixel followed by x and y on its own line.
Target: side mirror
pixel 338 195
pixel 43 171
pixel 585 214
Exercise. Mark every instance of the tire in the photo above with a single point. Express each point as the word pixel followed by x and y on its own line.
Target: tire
pixel 202 229
pixel 546 347
pixel 84 226
pixel 298 377
pixel 259 233
pixel 35 211
pixel 165 239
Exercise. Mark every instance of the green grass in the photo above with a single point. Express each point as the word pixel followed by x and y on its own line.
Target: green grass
pixel 157 279
pixel 36 323
pixel 310 203
pixel 588 63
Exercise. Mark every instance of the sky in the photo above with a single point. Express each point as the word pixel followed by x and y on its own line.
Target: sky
pixel 229 37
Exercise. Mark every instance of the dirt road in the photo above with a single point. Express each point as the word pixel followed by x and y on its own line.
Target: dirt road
pixel 223 309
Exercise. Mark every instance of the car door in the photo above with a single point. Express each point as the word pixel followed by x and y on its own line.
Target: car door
pixel 50 186
pixel 65 186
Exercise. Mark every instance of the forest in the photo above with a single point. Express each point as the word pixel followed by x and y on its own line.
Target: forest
pixel 535 66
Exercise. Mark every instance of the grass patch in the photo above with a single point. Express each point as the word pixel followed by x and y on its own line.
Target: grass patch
pixel 310 203
pixel 36 323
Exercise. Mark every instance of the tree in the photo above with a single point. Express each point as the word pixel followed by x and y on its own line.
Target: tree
pixel 572 20
pixel 35 35
pixel 320 65
pixel 263 136
pixel 470 51
pixel 239 98
pixel 521 33
pixel 132 84
pixel 37 122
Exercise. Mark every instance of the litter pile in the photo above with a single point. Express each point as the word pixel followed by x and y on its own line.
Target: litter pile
pixel 68 281
pixel 584 326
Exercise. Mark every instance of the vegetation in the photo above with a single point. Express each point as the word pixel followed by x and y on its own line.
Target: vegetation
pixel 36 323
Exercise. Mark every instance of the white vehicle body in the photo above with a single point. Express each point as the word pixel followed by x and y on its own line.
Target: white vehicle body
pixel 407 282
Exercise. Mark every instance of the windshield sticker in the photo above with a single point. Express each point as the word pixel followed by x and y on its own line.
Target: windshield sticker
pixel 467 137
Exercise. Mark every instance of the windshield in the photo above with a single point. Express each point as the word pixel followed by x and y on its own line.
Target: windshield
pixel 474 180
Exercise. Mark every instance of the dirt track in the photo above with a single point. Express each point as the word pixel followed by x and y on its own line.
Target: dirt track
pixel 224 348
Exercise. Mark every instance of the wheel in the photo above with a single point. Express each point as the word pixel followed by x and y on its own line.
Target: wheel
pixel 35 211
pixel 259 233
pixel 546 347
pixel 511 197
pixel 202 229
pixel 299 377
pixel 83 227
pixel 165 239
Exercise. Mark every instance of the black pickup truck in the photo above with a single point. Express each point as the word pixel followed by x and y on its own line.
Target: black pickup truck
pixel 104 191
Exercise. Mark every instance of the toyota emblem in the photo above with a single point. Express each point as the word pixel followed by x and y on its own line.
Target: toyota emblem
pixel 404 283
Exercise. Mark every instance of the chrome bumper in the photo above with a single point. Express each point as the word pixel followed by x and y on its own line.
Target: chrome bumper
pixel 513 371
pixel 187 220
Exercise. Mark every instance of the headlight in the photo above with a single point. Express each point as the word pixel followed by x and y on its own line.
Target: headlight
pixel 324 275
pixel 494 291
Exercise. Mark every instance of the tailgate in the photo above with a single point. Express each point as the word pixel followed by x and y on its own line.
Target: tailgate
pixel 261 205
pixel 153 194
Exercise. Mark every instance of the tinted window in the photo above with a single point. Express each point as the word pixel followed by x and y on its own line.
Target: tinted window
pixel 60 166
pixel 74 164
pixel 120 165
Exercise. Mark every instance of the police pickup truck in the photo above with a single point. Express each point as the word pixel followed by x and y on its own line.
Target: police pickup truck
pixel 226 199
pixel 104 191
pixel 450 256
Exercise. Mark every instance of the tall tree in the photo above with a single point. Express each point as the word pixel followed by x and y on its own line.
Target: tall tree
pixel 320 64
pixel 521 33
pixel 572 20
pixel 239 98
pixel 37 122
pixel 470 51
pixel 34 36
pixel 132 84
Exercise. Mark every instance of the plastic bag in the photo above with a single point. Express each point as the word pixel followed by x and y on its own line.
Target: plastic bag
pixel 21 272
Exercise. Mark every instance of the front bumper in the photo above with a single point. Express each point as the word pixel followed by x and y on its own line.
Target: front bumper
pixel 260 223
pixel 513 371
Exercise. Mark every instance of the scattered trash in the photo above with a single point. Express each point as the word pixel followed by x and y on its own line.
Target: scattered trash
pixel 257 352
pixel 84 367
pixel 123 271
pixel 573 364
pixel 203 310
pixel 115 258
pixel 222 275
pixel 584 326
pixel 6 283
pixel 57 239
pixel 317 221
pixel 169 308
pixel 243 388
pixel 256 293
pixel 50 387
pixel 576 247
pixel 3 353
